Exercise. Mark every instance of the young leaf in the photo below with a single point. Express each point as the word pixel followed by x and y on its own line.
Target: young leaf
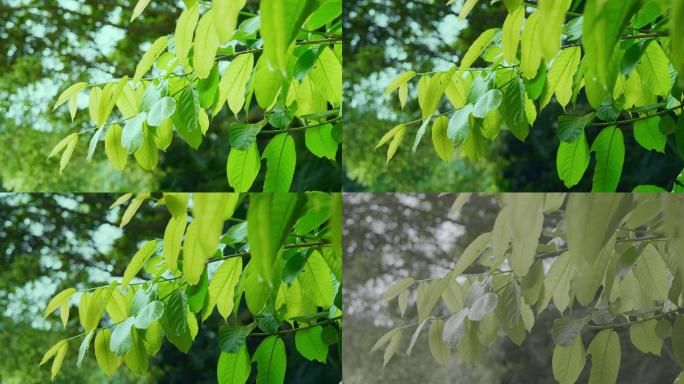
pixel 510 38
pixel 476 49
pixel 69 93
pixel 561 75
pixel 553 14
pixel 227 11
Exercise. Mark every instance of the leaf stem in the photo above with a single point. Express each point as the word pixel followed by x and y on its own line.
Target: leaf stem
pixel 293 330
pixel 286 246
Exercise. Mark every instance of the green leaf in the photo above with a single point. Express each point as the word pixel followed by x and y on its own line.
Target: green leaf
pixel 227 11
pixel 85 344
pixel 570 128
pixel 57 351
pixel 651 271
pixel 222 286
pixel 136 357
pixel 513 107
pixel 648 134
pixel 565 331
pixel 68 93
pixel 233 337
pixel 57 301
pixel 568 362
pixel 557 282
pixel 398 287
pixel 572 160
pixel 320 142
pixel 281 20
pixel 106 359
pixel 310 344
pixel 654 69
pixel 643 336
pixel 137 262
pixel 440 140
pixel 326 13
pixel 483 306
pixel 270 218
pixel 160 111
pixel 316 280
pixel 116 152
pixel 603 25
pixel 453 327
pixel 281 159
pixel 233 84
pixel 139 8
pixel 132 136
pixel 439 349
pixel 553 14
pixel 487 102
pixel 205 45
pixel 121 340
pixel 173 236
pixel 327 76
pixel 149 57
pixel 243 167
pixel 186 117
pixel 234 368
pixel 561 75
pixel 530 54
pixel 471 253
pixel 185 29
pixel 400 80
pixel 415 335
pixel 591 219
pixel 271 361
pixel 242 135
pixel 174 320
pixel 609 147
pixel 268 86
pixel 605 357
pixel 510 38
pixel 457 131
pixel 147 155
pixel 475 49
pixel 149 313
pixel 391 346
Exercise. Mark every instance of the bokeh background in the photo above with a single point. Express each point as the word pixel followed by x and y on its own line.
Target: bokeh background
pixel 49 242
pixel 49 45
pixel 388 37
pixel 391 236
